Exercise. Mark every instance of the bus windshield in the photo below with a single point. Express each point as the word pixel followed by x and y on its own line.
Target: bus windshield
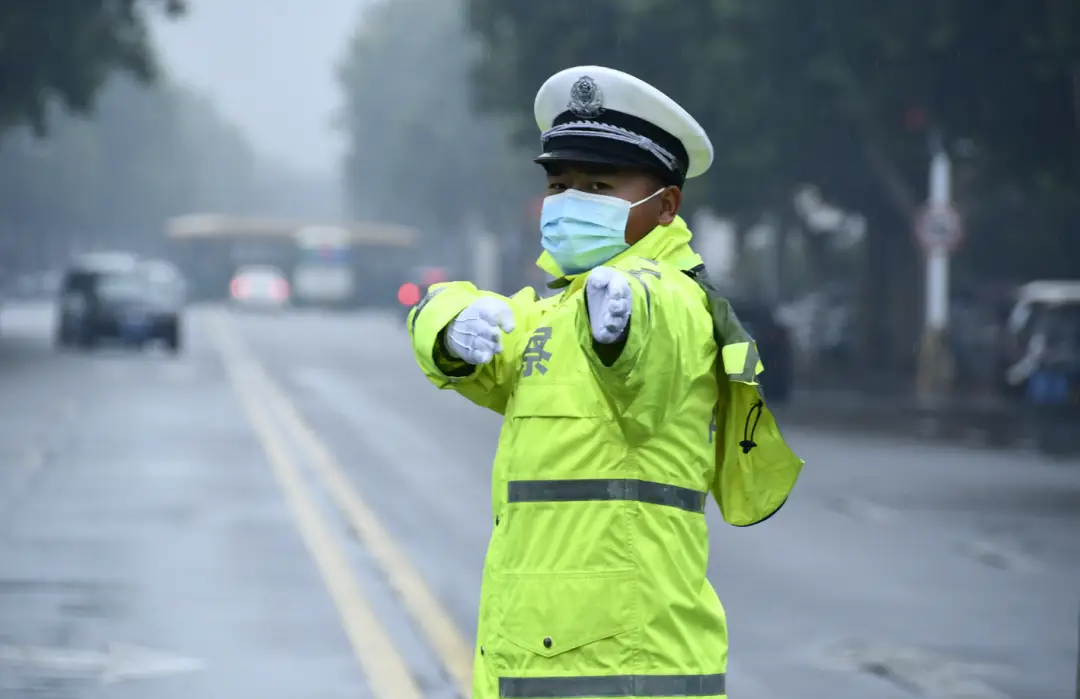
pixel 324 255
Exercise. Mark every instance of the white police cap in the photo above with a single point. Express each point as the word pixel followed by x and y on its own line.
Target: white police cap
pixel 602 115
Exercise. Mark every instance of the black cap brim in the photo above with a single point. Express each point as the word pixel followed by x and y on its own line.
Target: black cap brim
pixel 582 155
pixel 618 160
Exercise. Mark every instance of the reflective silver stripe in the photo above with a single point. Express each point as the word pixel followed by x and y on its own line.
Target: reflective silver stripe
pixel 432 293
pixel 612 686
pixel 607 489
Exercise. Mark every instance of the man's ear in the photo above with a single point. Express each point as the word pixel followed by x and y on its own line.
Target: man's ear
pixel 670 201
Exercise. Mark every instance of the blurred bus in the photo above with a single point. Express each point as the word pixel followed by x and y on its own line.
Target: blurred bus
pixel 334 265
pixel 325 271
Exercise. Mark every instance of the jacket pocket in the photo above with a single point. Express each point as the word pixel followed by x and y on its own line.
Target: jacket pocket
pixel 564 623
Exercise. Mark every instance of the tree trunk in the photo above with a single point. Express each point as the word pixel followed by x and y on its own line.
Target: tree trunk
pixel 890 299
pixel 819 259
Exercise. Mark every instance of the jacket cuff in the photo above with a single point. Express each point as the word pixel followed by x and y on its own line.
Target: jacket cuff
pixel 428 321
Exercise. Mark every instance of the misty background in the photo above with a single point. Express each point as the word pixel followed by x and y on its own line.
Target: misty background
pixel 275 81
pixel 931 545
pixel 418 112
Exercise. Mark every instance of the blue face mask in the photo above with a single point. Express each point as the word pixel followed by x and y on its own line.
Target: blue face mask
pixel 581 230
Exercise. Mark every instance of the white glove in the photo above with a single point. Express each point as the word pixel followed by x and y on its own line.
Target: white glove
pixel 608 294
pixel 475 336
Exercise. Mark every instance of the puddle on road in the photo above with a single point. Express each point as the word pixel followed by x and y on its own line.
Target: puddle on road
pixel 924 674
pixel 49 613
pixel 862 509
pixel 55 600
pixel 999 554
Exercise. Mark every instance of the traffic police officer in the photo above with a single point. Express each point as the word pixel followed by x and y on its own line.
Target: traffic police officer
pixel 619 416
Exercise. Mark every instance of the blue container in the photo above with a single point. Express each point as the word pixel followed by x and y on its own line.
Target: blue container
pixel 1047 387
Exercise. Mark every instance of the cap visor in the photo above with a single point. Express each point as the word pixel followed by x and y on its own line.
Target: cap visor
pixel 612 161
pixel 582 155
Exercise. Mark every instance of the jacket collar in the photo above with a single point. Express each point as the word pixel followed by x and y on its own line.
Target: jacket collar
pixel 669 244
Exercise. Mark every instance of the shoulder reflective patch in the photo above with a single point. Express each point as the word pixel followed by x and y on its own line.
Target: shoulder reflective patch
pixel 741 361
pixel 639 274
pixel 432 293
pixel 735 356
pixel 649 266
pixel 738 351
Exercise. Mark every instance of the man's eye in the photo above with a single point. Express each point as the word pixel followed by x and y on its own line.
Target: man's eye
pixel 556 186
pixel 599 186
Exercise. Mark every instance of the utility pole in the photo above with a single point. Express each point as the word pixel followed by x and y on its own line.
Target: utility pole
pixel 939 231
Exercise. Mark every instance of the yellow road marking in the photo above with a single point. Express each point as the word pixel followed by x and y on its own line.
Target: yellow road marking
pixel 385 669
pixel 454 651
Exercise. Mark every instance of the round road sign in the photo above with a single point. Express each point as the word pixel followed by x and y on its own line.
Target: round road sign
pixel 939 227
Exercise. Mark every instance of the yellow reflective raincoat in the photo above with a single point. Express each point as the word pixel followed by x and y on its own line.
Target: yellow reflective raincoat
pixel 594 583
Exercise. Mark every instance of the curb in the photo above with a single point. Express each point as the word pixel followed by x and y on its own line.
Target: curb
pixel 998 427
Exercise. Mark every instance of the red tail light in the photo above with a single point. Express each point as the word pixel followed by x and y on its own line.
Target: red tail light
pixel 238 288
pixel 281 289
pixel 409 294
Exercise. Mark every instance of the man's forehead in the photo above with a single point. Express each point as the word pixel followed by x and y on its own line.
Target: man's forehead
pixel 566 169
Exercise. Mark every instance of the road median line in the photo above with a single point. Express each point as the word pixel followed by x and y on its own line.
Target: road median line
pixel 386 671
pixel 453 649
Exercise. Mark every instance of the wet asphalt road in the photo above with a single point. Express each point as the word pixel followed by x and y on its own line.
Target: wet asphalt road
pixel 289 510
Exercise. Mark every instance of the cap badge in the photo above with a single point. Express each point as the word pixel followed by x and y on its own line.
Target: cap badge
pixel 586 100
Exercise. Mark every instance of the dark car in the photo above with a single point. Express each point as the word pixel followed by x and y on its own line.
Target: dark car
pixel 119 298
pixel 774 344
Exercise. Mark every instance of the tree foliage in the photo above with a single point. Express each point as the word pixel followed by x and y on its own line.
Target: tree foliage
pixel 847 95
pixel 418 153
pixel 838 92
pixel 58 50
pixel 145 155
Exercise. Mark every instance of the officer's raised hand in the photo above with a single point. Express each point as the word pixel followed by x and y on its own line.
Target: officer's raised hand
pixel 608 294
pixel 475 336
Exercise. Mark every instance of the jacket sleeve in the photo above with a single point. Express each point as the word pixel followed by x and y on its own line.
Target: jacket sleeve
pixel 489 385
pixel 756 469
pixel 647 377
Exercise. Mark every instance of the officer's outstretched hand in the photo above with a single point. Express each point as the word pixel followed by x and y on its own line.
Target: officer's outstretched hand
pixel 475 336
pixel 608 294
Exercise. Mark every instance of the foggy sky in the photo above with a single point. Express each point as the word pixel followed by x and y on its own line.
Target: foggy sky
pixel 270 66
